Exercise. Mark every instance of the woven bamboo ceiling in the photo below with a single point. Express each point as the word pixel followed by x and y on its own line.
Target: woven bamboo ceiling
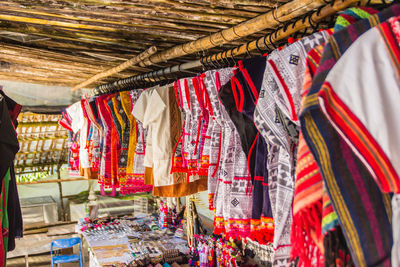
pixel 57 42
pixel 43 143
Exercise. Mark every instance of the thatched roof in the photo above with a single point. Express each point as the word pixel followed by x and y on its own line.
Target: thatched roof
pixel 60 42
pixel 43 143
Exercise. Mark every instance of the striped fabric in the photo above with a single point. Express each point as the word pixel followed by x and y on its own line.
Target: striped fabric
pixel 352 15
pixel 363 211
pixel 352 118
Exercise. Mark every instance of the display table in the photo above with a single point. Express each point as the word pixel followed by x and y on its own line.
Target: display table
pixel 130 241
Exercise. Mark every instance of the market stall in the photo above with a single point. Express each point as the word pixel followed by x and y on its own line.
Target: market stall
pixel 274 120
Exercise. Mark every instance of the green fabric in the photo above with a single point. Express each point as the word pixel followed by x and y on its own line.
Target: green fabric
pixel 4 214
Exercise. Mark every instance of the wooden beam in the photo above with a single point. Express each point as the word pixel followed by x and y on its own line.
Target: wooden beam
pixel 28 139
pixel 56 181
pixel 151 51
pixel 37 124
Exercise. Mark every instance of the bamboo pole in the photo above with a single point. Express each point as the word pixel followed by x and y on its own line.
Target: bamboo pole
pixel 263 43
pixel 267 41
pixel 133 61
pixel 56 181
pixel 38 124
pixel 271 19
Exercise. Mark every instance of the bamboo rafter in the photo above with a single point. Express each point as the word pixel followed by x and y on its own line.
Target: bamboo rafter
pixel 270 19
pixel 64 43
pixel 309 23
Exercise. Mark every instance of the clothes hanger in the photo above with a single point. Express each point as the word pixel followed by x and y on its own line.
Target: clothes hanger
pixel 233 58
pixel 258 48
pixel 225 58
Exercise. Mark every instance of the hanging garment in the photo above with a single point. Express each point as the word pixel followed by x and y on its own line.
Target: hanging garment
pixel 233 195
pixel 105 178
pixel 138 162
pixel 284 72
pixel 11 215
pixel 275 117
pixel 97 134
pixel 178 161
pixel 315 222
pixel 116 137
pixel 280 181
pixel 115 145
pixel 213 82
pixel 125 128
pixel 346 179
pixel 286 68
pixel 193 141
pixel 127 107
pixel 79 123
pixel 239 99
pixel 307 234
pixel 91 133
pixel 212 145
pixel 352 116
pixel 156 108
pixel 205 105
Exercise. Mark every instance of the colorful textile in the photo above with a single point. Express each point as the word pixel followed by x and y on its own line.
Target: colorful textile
pixel 311 200
pixel 276 118
pixel 232 196
pixel 126 129
pixel 105 162
pixel 96 135
pixel 126 103
pixel 346 179
pixel 306 238
pixel 351 15
pixel 9 146
pixel 153 109
pixel 138 162
pixel 115 144
pixel 355 118
pixel 213 148
pixel 239 98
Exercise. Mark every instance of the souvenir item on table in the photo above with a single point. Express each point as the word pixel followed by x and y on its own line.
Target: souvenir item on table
pixel 130 240
pixel 259 253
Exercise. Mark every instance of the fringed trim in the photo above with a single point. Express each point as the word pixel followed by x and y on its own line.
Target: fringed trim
pixel 211 201
pixel 306 237
pixel 262 230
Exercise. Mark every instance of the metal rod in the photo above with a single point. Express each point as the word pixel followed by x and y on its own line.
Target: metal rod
pixel 106 88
